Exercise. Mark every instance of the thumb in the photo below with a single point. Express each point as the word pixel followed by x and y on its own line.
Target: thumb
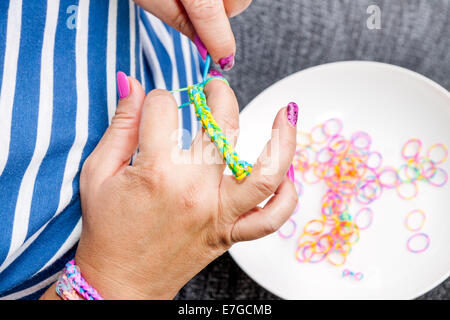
pixel 120 140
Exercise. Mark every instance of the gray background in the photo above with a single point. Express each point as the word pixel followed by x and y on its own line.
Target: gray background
pixel 276 38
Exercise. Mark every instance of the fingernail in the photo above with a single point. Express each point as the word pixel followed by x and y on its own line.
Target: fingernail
pixel 215 73
pixel 227 63
pixel 123 86
pixel 200 47
pixel 290 174
pixel 292 113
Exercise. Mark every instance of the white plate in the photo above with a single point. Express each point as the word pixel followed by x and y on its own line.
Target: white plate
pixel 393 105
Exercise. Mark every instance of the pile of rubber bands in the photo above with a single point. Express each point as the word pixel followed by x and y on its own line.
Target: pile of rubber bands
pixel 354 172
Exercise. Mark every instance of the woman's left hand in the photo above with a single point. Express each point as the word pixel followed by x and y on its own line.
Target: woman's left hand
pixel 202 19
pixel 149 227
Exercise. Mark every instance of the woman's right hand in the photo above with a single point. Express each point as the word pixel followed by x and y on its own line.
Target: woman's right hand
pixel 202 19
pixel 148 228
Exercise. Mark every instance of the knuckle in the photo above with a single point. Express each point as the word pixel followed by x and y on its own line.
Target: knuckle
pixel 230 125
pixel 224 103
pixel 271 225
pixel 288 143
pixel 190 197
pixel 201 9
pixel 123 120
pixel 232 121
pixel 151 176
pixel 266 185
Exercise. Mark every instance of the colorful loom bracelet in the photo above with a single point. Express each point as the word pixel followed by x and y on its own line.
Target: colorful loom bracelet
pixel 72 286
pixel 197 98
pixel 65 290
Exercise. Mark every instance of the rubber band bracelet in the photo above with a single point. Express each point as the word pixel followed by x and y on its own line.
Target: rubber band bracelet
pixel 72 286
pixel 65 290
pixel 197 98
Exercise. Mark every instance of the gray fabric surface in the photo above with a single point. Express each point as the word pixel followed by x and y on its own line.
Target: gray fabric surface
pixel 277 38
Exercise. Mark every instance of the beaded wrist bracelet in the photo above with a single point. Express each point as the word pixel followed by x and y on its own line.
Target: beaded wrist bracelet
pixel 72 286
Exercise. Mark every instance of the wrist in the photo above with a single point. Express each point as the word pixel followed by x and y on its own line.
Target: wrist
pixel 135 277
pixel 115 281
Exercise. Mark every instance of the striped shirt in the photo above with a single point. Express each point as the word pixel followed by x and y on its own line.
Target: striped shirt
pixel 58 62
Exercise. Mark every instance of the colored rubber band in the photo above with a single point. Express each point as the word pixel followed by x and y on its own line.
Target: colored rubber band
pixel 408 217
pixel 418 235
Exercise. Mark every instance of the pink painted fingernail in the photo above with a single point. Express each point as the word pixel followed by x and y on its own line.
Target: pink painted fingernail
pixel 290 174
pixel 292 113
pixel 200 47
pixel 215 73
pixel 227 63
pixel 123 86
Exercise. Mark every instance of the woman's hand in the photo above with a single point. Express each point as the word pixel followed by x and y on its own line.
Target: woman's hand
pixel 202 19
pixel 150 227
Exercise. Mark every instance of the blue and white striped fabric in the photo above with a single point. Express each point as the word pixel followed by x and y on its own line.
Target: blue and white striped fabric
pixel 58 62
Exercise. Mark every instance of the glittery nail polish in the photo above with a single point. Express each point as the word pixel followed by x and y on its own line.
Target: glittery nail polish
pixel 200 47
pixel 227 63
pixel 292 113
pixel 123 86
pixel 290 174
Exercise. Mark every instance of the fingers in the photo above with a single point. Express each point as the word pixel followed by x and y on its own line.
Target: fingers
pixel 260 222
pixel 225 110
pixel 235 7
pixel 269 170
pixel 204 21
pixel 212 26
pixel 214 34
pixel 171 12
pixel 120 140
pixel 158 134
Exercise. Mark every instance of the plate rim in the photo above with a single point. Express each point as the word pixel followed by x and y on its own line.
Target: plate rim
pixel 440 89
